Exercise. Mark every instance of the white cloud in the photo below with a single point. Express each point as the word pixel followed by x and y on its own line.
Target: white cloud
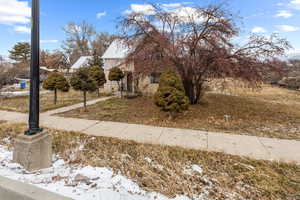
pixel 101 14
pixel 49 41
pixel 179 10
pixel 284 14
pixel 295 4
pixel 288 28
pixel 22 29
pixel 14 12
pixel 172 5
pixel 145 9
pixel 188 14
pixel 258 29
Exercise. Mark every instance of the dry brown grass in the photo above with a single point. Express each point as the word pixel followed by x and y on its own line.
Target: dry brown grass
pixel 21 104
pixel 265 114
pixel 224 176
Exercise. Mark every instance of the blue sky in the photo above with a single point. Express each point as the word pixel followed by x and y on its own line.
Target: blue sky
pixel 259 16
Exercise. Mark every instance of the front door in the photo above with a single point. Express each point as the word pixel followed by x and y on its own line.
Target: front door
pixel 129 82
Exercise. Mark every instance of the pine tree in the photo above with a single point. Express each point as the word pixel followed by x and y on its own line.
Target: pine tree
pixel 20 52
pixel 82 81
pixel 56 81
pixel 170 96
pixel 97 73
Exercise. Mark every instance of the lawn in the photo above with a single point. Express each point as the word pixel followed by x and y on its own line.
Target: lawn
pixel 21 104
pixel 164 169
pixel 272 112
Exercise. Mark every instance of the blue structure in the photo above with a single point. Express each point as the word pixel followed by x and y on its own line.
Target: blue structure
pixel 23 84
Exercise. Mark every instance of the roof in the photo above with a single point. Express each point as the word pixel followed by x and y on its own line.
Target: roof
pixel 46 69
pixel 81 62
pixel 116 50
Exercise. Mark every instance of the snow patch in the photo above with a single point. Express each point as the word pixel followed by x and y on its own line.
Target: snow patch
pixel 101 183
pixel 191 169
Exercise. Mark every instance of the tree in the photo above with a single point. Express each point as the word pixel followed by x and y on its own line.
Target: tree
pixel 54 60
pixel 81 81
pixel 8 74
pixel 116 74
pixel 79 38
pixel 170 96
pixel 101 43
pixel 97 73
pixel 96 60
pixel 56 81
pixel 295 62
pixel 20 52
pixel 198 44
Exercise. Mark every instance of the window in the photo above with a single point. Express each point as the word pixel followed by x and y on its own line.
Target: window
pixel 154 78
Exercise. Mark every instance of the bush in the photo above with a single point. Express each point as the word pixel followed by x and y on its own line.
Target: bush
pixel 290 82
pixel 97 73
pixel 116 74
pixel 56 81
pixel 82 81
pixel 170 96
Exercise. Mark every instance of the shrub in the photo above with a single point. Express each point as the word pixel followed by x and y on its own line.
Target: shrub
pixel 116 74
pixel 82 81
pixel 56 81
pixel 97 73
pixel 170 96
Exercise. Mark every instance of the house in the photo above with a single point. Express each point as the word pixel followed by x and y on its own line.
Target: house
pixel 45 71
pixel 83 61
pixel 115 56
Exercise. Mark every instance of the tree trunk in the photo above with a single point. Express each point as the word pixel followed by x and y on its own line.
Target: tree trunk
pixel 193 92
pixel 120 89
pixel 98 92
pixel 84 101
pixel 55 96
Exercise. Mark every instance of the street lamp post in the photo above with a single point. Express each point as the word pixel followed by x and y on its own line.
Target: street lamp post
pixel 34 106
pixel 33 150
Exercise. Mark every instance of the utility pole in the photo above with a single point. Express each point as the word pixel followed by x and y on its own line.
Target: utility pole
pixel 34 107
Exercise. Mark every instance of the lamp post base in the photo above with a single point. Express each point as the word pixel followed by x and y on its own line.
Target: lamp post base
pixel 33 152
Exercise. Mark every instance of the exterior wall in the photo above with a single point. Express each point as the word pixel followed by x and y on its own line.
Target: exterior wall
pixel 145 85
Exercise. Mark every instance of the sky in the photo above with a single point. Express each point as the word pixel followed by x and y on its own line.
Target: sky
pixel 257 16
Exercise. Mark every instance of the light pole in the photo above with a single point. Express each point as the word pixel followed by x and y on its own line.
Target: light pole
pixel 34 107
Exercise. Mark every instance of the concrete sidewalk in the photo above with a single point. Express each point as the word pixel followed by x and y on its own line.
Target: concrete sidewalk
pixel 75 106
pixel 241 145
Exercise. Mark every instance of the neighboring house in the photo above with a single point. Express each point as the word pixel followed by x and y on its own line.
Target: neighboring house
pixel 44 72
pixel 115 56
pixel 83 61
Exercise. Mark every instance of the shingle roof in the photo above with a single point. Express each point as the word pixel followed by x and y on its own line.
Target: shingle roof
pixel 117 49
pixel 81 62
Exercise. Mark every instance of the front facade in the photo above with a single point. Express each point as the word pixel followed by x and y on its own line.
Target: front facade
pixel 115 56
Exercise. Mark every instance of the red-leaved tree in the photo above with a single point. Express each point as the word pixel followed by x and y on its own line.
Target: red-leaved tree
pixel 198 44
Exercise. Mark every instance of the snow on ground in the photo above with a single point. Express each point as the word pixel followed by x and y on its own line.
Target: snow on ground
pixel 80 182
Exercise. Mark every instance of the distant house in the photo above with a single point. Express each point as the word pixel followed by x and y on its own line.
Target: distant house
pixel 45 71
pixel 83 61
pixel 115 56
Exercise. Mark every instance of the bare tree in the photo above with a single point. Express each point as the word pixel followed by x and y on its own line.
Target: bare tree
pixel 7 74
pixel 101 43
pixel 55 60
pixel 197 43
pixel 79 39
